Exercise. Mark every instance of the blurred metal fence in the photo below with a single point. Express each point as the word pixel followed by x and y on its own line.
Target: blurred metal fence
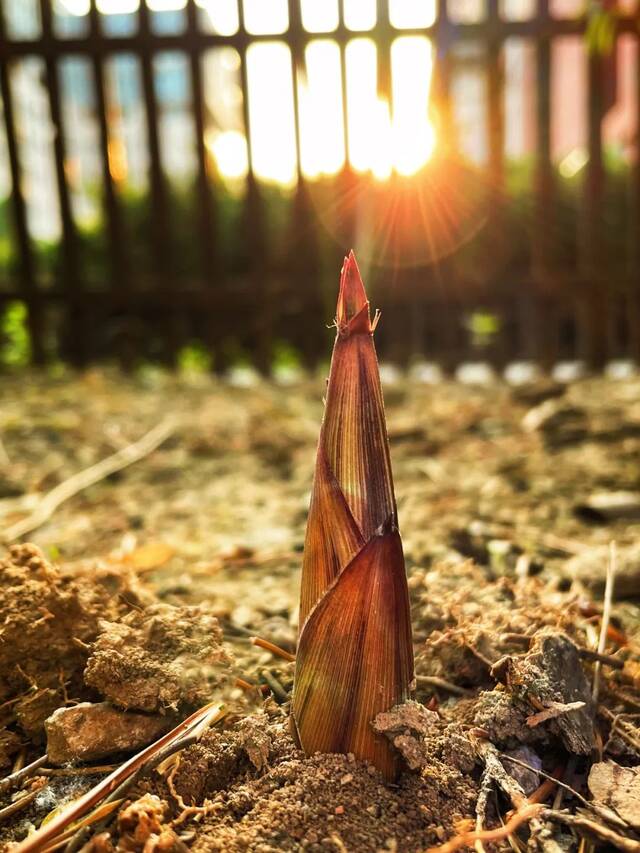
pixel 584 304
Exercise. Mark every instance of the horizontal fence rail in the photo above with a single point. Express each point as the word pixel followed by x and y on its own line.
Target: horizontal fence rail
pixel 545 269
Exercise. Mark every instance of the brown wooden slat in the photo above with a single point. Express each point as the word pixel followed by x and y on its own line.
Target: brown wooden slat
pixel 162 254
pixel 346 182
pixel 634 234
pixel 495 91
pixel 75 342
pixel 543 227
pixel 383 37
pixel 29 292
pixel 253 224
pixel 115 233
pixel 206 211
pixel 343 85
pixel 545 318
pixel 441 80
pixel 301 254
pixel 591 246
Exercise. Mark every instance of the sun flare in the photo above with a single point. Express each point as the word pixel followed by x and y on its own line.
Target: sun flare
pixel 385 134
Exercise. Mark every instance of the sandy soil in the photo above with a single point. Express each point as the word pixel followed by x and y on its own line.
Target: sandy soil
pixel 495 494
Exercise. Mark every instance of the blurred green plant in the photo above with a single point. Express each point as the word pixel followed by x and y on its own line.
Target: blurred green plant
pixel 15 342
pixel 483 326
pixel 285 356
pixel 194 358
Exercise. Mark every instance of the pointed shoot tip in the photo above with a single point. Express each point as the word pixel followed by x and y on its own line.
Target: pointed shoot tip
pixel 352 298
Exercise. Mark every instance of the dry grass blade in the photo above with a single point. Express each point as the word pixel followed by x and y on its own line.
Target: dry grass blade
pixel 18 805
pixel 606 616
pixel 103 810
pixel 17 778
pixel 271 647
pixel 83 479
pixel 46 834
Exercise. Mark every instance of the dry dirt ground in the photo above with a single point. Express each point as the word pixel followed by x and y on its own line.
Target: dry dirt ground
pixel 141 593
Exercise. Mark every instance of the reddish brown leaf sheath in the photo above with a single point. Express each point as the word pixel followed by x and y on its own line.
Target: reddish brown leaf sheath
pixel 355 654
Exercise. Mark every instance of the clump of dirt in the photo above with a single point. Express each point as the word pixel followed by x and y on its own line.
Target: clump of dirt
pixel 66 639
pixel 427 740
pixel 47 618
pixel 162 658
pixel 277 799
pixel 551 678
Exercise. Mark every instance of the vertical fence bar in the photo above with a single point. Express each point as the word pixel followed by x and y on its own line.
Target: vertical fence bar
pixel 118 263
pixel 546 332
pixel 25 259
pixel 347 182
pixel 170 299
pixel 206 211
pixel 543 169
pixel 75 337
pixel 383 44
pixel 254 225
pixel 495 97
pixel 445 278
pixel 302 261
pixel 495 93
pixel 441 80
pixel 634 232
pixel 592 242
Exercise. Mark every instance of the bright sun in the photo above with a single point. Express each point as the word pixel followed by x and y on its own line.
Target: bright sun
pixel 383 135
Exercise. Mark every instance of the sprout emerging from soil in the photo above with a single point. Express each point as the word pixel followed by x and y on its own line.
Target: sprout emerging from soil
pixel 355 655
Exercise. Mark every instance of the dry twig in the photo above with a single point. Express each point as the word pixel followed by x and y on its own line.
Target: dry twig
pixel 17 778
pixel 442 684
pixel 468 839
pixel 83 479
pixel 46 834
pixel 591 828
pixel 19 804
pixel 271 647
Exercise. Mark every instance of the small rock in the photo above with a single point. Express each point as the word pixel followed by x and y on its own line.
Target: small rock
pixel 559 422
pixel 33 709
pixel 255 740
pixel 552 672
pixel 569 371
pixel 405 726
pixel 141 827
pixel 9 488
pixel 535 393
pixel 88 731
pixel 475 373
pixel 504 720
pixel 590 568
pixel 10 743
pixel 526 778
pixel 617 788
pixel 603 507
pixel 522 374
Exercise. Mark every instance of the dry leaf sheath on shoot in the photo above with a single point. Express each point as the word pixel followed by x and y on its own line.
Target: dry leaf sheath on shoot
pixel 354 655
